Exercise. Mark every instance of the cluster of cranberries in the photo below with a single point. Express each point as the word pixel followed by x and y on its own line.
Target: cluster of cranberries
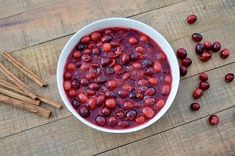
pixel 203 50
pixel 117 78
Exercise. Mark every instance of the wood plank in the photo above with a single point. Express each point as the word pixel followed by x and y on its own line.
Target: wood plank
pixel 197 138
pixel 66 17
pixel 13 7
pixel 43 62
pixel 69 136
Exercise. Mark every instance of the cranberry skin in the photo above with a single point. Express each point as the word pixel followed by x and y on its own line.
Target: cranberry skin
pixel 107 47
pixel 206 56
pixel 71 66
pixel 224 53
pixel 123 93
pixel 77 54
pixel 203 77
pixel 75 84
pixel 100 120
pixel 139 49
pixel 85 40
pixel 148 112
pixel 120 114
pixel 105 111
pixel 186 62
pixel 92 103
pixel 112 121
pixel 149 72
pixel 197 37
pixel 100 100
pixel 131 114
pixel 140 120
pixel 125 59
pixel 197 93
pixel 229 77
pixel 67 85
pixel 83 111
pixel 112 84
pixel 94 86
pixel 216 46
pixel 183 70
pixel 150 92
pixel 204 85
pixel 84 82
pixel 86 58
pixel 208 45
pixel 157 66
pixel 191 19
pixel 75 103
pixel 165 90
pixel 199 48
pixel 82 97
pixel 123 124
pixel 105 62
pixel 111 103
pixel 106 38
pixel 160 103
pixel 95 36
pixel 67 76
pixel 96 51
pixel 213 120
pixel 144 38
pixel 101 79
pixel 90 92
pixel 128 105
pixel 133 40
pixel 147 63
pixel 195 106
pixel 181 53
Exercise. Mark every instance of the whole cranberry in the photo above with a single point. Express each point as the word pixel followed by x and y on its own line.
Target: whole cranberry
pixel 183 70
pixel 144 38
pixel 83 111
pixel 148 112
pixel 165 90
pixel 204 85
pixel 96 51
pixel 106 38
pixel 150 92
pixel 82 97
pixel 112 84
pixel 140 120
pixel 125 59
pixel 119 114
pixel 224 53
pixel 128 105
pixel 157 66
pixel 205 56
pixel 191 19
pixel 95 36
pixel 111 103
pixel 75 84
pixel 199 48
pixel 101 79
pixel 84 82
pixel 92 103
pixel 75 103
pixel 67 85
pixel 133 40
pixel 186 62
pixel 197 93
pixel 67 76
pixel 90 92
pixel 100 120
pixel 207 45
pixel 112 121
pixel 105 111
pixel 195 106
pixel 107 47
pixel 77 54
pixel 72 93
pixel 181 53
pixel 197 37
pixel 71 66
pixel 203 77
pixel 216 46
pixel 229 77
pixel 159 104
pixel 123 124
pixel 131 114
pixel 85 40
pixel 139 49
pixel 100 100
pixel 213 120
pixel 123 93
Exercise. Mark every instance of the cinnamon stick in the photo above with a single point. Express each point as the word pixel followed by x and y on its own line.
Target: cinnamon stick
pixel 40 98
pixel 17 81
pixel 19 96
pixel 26 106
pixel 24 69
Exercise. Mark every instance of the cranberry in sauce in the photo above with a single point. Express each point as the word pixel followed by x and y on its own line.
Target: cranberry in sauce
pixel 118 78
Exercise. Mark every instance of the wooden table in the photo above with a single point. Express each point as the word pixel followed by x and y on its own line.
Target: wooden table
pixel 35 31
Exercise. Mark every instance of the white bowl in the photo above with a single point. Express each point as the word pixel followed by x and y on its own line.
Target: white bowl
pixel 128 23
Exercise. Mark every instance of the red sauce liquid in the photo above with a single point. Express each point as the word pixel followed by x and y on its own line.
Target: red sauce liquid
pixel 147 96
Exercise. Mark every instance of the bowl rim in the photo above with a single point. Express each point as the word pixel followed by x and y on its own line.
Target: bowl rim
pixel 172 62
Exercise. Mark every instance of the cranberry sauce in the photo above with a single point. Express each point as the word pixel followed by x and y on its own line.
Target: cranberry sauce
pixel 117 78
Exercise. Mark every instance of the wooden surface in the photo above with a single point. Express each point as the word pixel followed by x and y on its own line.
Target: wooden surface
pixel 35 31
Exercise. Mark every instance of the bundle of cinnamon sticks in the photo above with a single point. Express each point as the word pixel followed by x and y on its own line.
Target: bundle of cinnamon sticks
pixel 19 94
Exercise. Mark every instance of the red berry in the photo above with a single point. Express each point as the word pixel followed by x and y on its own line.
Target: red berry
pixel 181 53
pixel 131 114
pixel 140 120
pixel 112 121
pixel 216 46
pixel 67 85
pixel 195 106
pixel 183 70
pixel 92 103
pixel 100 120
pixel 205 56
pixel 83 111
pixel 95 36
pixel 72 93
pixel 199 48
pixel 70 66
pixel 160 103
pixel 139 49
pixel 107 47
pixel 191 19
pixel 133 40
pixel 224 53
pixel 77 54
pixel 82 97
pixel 186 62
pixel 196 37
pixel 144 38
pixel 67 76
pixel 85 40
pixel 204 85
pixel 203 77
pixel 229 77
pixel 111 103
pixel 213 120
pixel 197 93
pixel 157 66
pixel 148 112
pixel 207 45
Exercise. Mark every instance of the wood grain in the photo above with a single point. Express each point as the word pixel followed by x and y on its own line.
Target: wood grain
pixel 69 136
pixel 66 17
pixel 197 138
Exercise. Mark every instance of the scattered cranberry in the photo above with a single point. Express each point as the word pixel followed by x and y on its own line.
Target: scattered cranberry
pixel 216 46
pixel 196 37
pixel 197 93
pixel 77 54
pixel 229 77
pixel 133 40
pixel 140 120
pixel 183 70
pixel 207 45
pixel 160 103
pixel 112 121
pixel 224 53
pixel 67 85
pixel 112 84
pixel 67 76
pixel 148 112
pixel 95 36
pixel 181 53
pixel 203 77
pixel 107 47
pixel 165 90
pixel 139 49
pixel 71 66
pixel 204 85
pixel 100 120
pixel 213 120
pixel 83 111
pixel 123 124
pixel 75 103
pixel 191 19
pixel 85 40
pixel 82 97
pixel 199 48
pixel 131 114
pixel 195 106
pixel 157 66
pixel 92 103
pixel 186 62
pixel 205 56
pixel 111 103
